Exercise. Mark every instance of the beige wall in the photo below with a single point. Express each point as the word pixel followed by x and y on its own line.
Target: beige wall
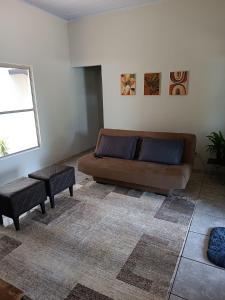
pixel 29 36
pixel 170 35
pixel 163 37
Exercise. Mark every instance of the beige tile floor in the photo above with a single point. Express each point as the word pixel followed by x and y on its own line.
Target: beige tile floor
pixel 196 277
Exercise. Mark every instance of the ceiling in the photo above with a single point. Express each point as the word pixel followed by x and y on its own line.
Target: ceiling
pixel 73 9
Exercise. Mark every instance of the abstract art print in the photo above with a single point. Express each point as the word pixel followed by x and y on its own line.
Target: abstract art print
pixel 152 84
pixel 128 84
pixel 178 83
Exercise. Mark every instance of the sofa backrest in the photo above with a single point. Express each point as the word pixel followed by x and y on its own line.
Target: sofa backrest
pixel 189 139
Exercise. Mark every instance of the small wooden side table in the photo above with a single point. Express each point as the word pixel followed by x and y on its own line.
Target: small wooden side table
pixel 9 292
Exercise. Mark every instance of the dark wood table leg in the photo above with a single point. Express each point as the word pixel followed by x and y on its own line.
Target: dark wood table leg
pixel 16 223
pixel 42 205
pixel 1 220
pixel 52 201
pixel 71 190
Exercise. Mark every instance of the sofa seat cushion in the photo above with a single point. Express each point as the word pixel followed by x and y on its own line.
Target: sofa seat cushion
pixel 117 146
pixel 137 172
pixel 164 151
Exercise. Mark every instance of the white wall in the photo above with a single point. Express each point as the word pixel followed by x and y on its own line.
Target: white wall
pixel 29 36
pixel 171 35
pixel 167 36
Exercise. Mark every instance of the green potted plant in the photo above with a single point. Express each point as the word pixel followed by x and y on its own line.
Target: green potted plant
pixel 217 145
pixel 3 148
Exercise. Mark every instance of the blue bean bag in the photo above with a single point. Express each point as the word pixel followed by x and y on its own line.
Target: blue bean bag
pixel 216 247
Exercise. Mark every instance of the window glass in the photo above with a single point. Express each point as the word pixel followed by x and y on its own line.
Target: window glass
pixel 18 126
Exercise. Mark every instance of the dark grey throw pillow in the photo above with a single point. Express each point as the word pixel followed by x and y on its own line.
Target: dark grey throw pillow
pixel 162 151
pixel 117 146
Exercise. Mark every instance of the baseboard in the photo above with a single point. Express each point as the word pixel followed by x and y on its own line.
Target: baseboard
pixel 76 156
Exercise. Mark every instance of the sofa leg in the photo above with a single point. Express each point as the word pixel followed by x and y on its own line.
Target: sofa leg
pixel 71 190
pixel 1 220
pixel 52 201
pixel 42 205
pixel 16 223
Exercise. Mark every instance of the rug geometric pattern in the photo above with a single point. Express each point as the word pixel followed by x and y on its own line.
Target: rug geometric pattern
pixel 103 243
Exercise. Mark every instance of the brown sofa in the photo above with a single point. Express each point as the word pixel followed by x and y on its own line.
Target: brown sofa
pixel 140 174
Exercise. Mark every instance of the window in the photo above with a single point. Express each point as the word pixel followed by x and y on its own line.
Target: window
pixel 18 117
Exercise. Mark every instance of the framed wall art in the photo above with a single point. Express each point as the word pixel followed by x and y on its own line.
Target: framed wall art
pixel 152 84
pixel 178 83
pixel 128 84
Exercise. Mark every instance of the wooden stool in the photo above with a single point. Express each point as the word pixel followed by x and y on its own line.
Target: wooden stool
pixel 9 292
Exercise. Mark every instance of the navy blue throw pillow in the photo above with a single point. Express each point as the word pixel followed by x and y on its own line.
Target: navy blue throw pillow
pixel 162 151
pixel 216 247
pixel 117 146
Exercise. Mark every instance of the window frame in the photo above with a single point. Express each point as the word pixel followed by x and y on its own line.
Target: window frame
pixel 34 109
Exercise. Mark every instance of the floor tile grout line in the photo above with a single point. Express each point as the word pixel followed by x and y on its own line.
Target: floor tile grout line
pixel 179 259
pixel 199 193
pixel 210 215
pixel 200 262
pixel 198 233
pixel 178 296
pixel 185 241
pixel 178 263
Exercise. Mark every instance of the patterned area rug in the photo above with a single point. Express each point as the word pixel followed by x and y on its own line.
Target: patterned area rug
pixel 104 243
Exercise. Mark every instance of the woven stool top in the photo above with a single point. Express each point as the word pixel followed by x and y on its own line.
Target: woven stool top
pixel 17 185
pixel 48 172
